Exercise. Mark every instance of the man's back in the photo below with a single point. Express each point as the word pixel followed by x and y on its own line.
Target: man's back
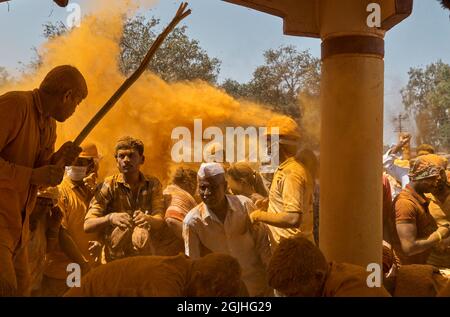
pixel 348 280
pixel 137 276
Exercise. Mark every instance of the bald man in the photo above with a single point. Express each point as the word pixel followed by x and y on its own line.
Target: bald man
pixel 27 160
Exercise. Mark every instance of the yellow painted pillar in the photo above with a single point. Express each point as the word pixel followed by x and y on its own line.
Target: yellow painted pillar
pixel 352 134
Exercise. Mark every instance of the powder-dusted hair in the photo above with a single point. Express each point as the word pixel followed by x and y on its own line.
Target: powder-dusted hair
pixel 184 176
pixel 294 262
pixel 127 142
pixel 242 171
pixel 62 78
pixel 221 272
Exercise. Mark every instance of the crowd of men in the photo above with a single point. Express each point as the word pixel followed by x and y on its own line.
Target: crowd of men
pixel 220 230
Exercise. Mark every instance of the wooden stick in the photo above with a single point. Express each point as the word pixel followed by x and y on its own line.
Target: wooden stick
pixel 180 15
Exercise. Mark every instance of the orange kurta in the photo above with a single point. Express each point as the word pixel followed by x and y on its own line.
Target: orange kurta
pixel 27 139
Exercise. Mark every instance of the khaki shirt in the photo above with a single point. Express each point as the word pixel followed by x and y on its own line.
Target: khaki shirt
pixel 27 139
pixel 441 213
pixel 292 190
pixel 115 196
pixel 203 232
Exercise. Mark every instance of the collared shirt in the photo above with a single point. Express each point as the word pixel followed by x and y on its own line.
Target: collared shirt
pixel 410 207
pixel 73 202
pixel 441 213
pixel 27 139
pixel 203 232
pixel 115 195
pixel 292 190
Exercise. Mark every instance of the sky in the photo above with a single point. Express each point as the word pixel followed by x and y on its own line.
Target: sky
pixel 238 37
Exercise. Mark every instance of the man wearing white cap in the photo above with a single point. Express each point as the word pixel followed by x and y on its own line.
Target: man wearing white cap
pixel 76 191
pixel 221 223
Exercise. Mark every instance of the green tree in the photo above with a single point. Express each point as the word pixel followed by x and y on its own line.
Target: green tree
pixel 285 75
pixel 178 58
pixel 427 98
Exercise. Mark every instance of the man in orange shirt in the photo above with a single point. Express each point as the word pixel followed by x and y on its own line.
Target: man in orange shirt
pixel 27 160
pixel 417 230
pixel 299 269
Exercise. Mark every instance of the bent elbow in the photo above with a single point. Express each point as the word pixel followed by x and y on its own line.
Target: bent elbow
pixel 87 227
pixel 294 220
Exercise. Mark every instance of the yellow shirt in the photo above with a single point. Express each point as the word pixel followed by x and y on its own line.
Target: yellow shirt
pixel 292 191
pixel 441 213
pixel 27 139
pixel 73 202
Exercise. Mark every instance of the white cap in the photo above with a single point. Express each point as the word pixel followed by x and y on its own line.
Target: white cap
pixel 210 169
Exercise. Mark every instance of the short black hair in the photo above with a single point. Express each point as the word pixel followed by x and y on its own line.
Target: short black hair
pixel 184 175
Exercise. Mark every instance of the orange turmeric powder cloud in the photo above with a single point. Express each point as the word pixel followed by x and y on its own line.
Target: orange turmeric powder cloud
pixel 149 110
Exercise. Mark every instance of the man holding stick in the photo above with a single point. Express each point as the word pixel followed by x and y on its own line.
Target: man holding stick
pixel 27 161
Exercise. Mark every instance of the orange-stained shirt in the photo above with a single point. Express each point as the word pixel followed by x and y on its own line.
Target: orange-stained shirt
pixel 27 139
pixel 348 280
pixel 73 202
pixel 158 276
pixel 440 210
pixel 292 190
pixel 115 196
pixel 410 207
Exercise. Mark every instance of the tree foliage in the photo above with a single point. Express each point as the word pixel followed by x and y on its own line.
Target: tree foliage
pixel 427 98
pixel 179 57
pixel 278 83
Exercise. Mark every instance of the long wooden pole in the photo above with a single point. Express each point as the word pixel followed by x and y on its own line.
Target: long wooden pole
pixel 180 15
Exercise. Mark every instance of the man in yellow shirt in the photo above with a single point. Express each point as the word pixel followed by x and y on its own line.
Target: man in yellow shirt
pixel 27 160
pixel 290 211
pixel 76 191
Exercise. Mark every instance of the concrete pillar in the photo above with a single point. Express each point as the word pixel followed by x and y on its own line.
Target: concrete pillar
pixel 352 134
